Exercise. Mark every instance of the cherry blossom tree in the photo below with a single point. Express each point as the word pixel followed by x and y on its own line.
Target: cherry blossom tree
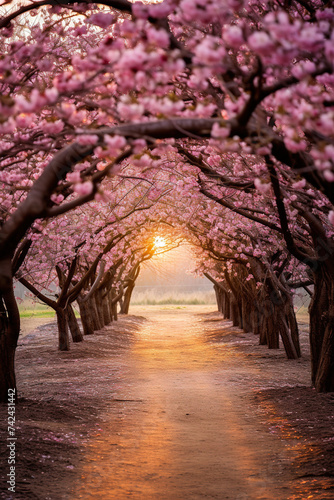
pixel 93 87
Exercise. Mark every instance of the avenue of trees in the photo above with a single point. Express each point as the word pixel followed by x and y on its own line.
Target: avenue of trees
pixel 206 121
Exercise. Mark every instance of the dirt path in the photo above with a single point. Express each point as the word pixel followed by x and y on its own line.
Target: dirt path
pixel 179 407
pixel 188 433
pixel 29 325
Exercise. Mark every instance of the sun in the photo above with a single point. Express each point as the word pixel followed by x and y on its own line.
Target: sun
pixel 159 242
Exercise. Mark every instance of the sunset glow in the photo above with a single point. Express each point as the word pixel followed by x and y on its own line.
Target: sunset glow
pixel 159 242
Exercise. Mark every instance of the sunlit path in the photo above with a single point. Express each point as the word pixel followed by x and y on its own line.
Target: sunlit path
pixel 182 430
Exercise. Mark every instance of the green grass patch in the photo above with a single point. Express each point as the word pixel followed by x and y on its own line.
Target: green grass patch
pixel 31 309
pixel 151 298
pixel 34 313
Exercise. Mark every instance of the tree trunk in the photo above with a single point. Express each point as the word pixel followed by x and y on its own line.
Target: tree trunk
pixel 322 328
pixel 106 311
pixel 235 316
pixel 63 338
pixel 73 325
pixel 219 297
pixel 127 298
pixel 263 329
pixel 97 325
pixel 114 311
pixel 9 334
pixel 273 330
pixel 293 325
pixel 99 308
pixel 246 315
pixel 255 319
pixel 226 306
pixel 283 327
pixel 110 296
pixel 86 319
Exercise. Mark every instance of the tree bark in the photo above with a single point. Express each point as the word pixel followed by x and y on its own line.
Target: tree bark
pixel 127 298
pixel 106 309
pixel 283 327
pixel 235 313
pixel 63 338
pixel 86 319
pixel 272 331
pixel 9 334
pixel 227 307
pixel 293 325
pixel 219 298
pixel 73 325
pixel 246 314
pixel 322 328
pixel 263 329
pixel 94 314
pixel 99 308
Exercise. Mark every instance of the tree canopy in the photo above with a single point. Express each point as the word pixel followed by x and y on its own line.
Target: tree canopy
pixel 211 121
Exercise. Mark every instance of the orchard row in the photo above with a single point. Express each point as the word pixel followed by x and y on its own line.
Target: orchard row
pixel 206 121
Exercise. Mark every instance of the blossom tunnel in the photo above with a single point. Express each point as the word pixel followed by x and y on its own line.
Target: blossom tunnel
pixel 213 119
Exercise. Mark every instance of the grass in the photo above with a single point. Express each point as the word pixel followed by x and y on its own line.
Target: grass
pixel 31 313
pixel 31 309
pixel 151 298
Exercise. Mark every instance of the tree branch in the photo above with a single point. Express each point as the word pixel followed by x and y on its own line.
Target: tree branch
pixel 49 302
pixel 96 282
pixel 239 211
pixel 291 246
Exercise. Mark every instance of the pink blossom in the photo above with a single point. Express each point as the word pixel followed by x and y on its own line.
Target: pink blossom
pixel 209 52
pixel 233 36
pixel 205 110
pixel 328 175
pixel 57 198
pixel 220 132
pixel 130 111
pixel 139 145
pixel 24 120
pixel 144 161
pixel 73 177
pixel 198 79
pixel 116 141
pixel 87 139
pixel 78 117
pixel 114 144
pixel 261 43
pixel 51 95
pixel 303 69
pixel 133 59
pixel 101 19
pixel 158 37
pixel 44 64
pixel 140 11
pixel 34 103
pixel 52 127
pixel 84 188
pixel 327 14
pixel 299 184
pixel 331 217
pixel 295 145
pixel 264 150
pixel 310 38
pixel 159 11
pixel 80 30
pixel 67 109
pixel 262 187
